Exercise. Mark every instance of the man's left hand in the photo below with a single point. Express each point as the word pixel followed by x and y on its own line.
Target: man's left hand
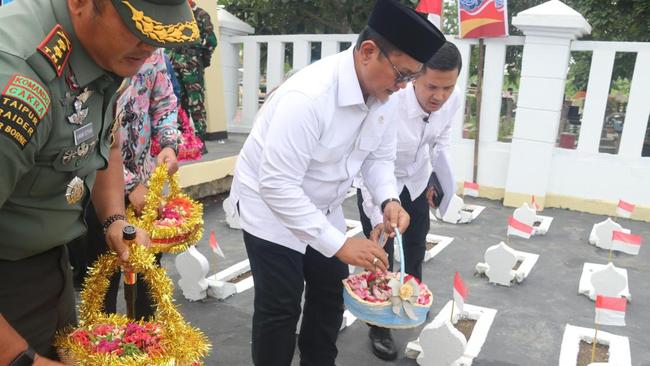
pixel 431 194
pixel 167 156
pixel 395 217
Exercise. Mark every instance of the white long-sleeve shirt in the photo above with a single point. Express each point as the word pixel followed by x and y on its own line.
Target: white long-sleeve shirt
pixel 309 141
pixel 419 144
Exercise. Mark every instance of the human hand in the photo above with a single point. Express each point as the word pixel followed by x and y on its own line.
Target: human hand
pixel 137 198
pixel 431 194
pixel 364 253
pixel 167 156
pixel 377 237
pixel 42 361
pixel 115 241
pixel 395 217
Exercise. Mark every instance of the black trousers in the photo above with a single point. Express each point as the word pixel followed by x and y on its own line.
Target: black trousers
pixel 280 274
pixel 37 297
pixel 95 245
pixel 414 238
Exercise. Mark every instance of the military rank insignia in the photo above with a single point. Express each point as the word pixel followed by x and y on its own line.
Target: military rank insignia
pixel 56 47
pixel 23 104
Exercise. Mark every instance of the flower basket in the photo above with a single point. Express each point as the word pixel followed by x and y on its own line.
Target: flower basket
pixel 110 340
pixel 388 300
pixel 179 225
pixel 408 309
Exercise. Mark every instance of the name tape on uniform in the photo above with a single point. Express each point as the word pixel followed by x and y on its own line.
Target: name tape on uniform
pixel 30 92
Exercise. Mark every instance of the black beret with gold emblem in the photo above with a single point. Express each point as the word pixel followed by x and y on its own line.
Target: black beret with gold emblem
pixel 406 29
pixel 161 23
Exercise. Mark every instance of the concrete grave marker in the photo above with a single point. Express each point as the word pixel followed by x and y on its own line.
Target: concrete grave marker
pixel 601 279
pixel 192 267
pixel 601 233
pixel 500 263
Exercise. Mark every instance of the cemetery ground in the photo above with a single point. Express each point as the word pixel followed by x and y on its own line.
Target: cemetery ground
pixel 531 317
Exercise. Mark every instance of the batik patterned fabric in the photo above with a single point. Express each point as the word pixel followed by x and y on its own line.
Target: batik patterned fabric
pixel 146 110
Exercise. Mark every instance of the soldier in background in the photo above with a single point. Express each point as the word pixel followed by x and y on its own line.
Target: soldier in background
pixel 189 64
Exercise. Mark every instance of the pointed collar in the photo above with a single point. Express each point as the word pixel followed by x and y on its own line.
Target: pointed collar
pixel 413 107
pixel 349 89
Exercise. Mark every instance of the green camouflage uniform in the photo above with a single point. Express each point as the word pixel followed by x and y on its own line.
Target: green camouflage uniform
pixel 189 63
pixel 56 107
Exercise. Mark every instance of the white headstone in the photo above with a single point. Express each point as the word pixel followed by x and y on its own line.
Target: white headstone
pixel 601 233
pixel 525 214
pixel 442 344
pixel 608 281
pixel 500 259
pixel 192 266
pixel 453 214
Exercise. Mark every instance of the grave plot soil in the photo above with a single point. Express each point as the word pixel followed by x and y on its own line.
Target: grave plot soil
pixel 584 353
pixel 465 326
pixel 240 277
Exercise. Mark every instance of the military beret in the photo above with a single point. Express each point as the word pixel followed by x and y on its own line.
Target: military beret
pixel 407 30
pixel 161 23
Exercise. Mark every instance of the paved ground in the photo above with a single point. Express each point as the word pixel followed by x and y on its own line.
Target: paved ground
pixel 531 316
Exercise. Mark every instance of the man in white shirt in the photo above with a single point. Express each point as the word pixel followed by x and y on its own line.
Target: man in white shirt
pixel 316 132
pixel 426 108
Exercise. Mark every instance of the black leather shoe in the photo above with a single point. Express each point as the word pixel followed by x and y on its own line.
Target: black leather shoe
pixel 382 343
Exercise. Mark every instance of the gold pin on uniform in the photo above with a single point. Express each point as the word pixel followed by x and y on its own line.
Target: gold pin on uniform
pixel 75 190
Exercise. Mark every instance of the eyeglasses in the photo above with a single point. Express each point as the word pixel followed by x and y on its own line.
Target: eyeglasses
pixel 399 77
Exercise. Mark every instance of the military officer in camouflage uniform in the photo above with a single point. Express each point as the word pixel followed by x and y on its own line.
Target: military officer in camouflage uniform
pixel 61 63
pixel 190 63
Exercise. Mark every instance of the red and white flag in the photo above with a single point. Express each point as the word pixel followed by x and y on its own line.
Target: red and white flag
pixel 534 205
pixel 433 8
pixel 470 189
pixel 624 209
pixel 626 243
pixel 610 310
pixel 518 228
pixel 460 292
pixel 215 246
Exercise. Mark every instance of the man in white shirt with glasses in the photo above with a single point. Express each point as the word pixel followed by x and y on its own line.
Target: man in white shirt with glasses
pixel 316 132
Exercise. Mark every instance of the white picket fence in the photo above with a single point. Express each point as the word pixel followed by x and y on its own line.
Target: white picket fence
pixel 583 173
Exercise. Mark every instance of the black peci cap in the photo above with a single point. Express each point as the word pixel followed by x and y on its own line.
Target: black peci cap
pixel 406 29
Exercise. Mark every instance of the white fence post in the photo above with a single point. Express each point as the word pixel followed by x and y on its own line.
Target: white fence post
pixel 549 30
pixel 602 63
pixel 638 109
pixel 230 26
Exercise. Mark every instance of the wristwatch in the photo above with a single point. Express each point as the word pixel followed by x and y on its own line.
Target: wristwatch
pixel 26 358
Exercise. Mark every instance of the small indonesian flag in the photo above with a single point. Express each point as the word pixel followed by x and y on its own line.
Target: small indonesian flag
pixel 626 243
pixel 518 228
pixel 624 209
pixel 470 189
pixel 534 205
pixel 460 292
pixel 215 246
pixel 433 8
pixel 610 310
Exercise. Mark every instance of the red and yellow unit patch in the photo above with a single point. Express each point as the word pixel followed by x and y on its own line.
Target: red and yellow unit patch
pixel 56 47
pixel 23 104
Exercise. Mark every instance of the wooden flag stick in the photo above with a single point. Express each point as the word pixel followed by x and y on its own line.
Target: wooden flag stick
pixel 593 348
pixel 451 317
pixel 610 254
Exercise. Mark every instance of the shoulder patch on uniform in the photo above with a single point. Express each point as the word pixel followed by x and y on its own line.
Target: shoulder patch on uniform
pixel 18 120
pixel 56 47
pixel 30 92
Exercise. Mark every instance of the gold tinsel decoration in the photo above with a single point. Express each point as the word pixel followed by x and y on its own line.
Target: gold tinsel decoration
pixel 157 31
pixel 183 344
pixel 168 239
